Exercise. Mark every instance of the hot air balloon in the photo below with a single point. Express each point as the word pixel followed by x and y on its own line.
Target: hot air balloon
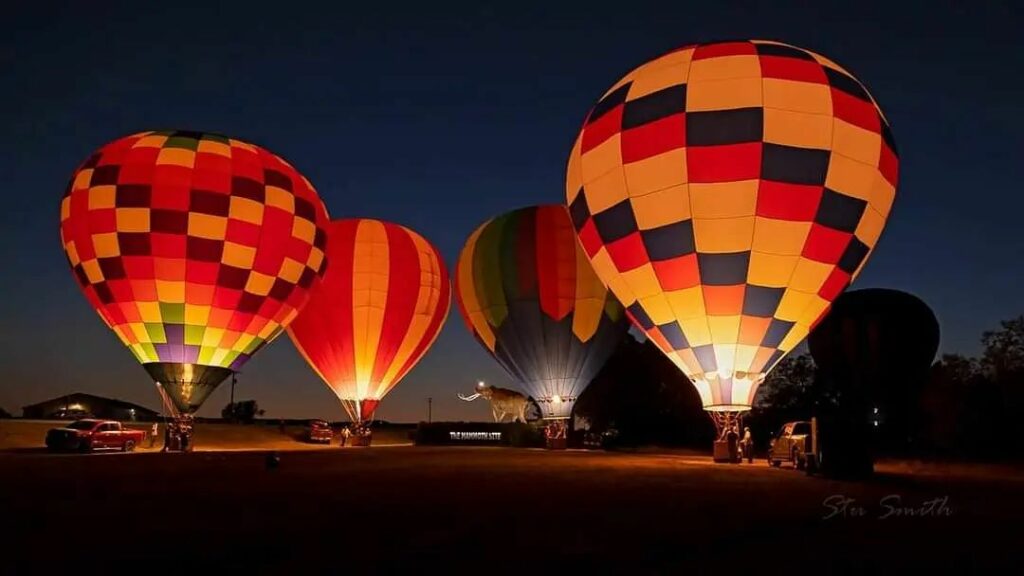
pixel 727 193
pixel 380 306
pixel 876 347
pixel 529 296
pixel 196 249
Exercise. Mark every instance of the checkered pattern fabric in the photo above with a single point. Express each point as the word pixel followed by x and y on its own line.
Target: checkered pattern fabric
pixel 194 248
pixel 727 193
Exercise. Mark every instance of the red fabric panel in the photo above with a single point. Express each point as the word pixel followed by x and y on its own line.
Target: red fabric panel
pixel 403 291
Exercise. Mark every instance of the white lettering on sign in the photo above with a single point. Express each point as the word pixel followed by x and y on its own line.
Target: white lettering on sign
pixel 475 435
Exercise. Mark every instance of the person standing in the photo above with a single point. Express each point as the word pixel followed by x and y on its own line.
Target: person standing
pixel 748 445
pixel 153 431
pixel 345 433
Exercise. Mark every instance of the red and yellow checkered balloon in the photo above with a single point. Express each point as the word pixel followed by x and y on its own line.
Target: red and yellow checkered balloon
pixel 196 249
pixel 727 193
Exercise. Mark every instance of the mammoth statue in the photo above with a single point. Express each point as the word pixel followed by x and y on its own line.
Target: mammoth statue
pixel 504 402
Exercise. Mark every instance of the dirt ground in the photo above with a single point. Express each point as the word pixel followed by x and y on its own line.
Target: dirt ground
pixel 494 510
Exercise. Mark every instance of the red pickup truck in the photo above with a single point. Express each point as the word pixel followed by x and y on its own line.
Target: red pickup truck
pixel 89 434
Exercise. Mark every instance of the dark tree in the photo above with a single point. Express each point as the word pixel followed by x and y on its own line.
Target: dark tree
pixel 244 411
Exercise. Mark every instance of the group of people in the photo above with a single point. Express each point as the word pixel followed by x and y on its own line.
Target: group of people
pixel 177 436
pixel 739 448
pixel 357 431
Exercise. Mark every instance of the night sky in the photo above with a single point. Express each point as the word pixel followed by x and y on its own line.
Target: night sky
pixel 441 118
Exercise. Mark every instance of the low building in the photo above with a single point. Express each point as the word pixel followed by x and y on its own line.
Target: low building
pixel 82 405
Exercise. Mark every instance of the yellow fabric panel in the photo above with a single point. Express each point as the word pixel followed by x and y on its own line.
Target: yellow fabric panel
pixel 687 361
pixel 303 229
pixel 206 226
pixel 82 179
pixel 724 68
pixel 212 336
pixel 426 301
pixel 808 97
pixel 724 329
pixel 590 298
pixel 132 219
pixel 687 303
pixel 243 342
pixel 92 271
pixel 666 206
pixel 723 236
pixel 771 270
pixel 696 330
pixel 106 245
pixel 814 308
pixel 724 199
pixel 151 141
pixel 597 161
pixel 856 143
pixel 783 237
pixel 197 315
pixel 139 331
pixel 796 336
pixel 290 270
pixel 675 58
pixel 245 210
pixel 744 357
pixel 464 280
pixel 797 129
pixel 177 157
pixel 65 209
pixel 882 195
pixel 725 357
pixel 280 198
pixel 656 76
pixel 170 291
pixel 72 253
pixel 259 284
pixel 658 172
pixel 792 305
pixel 238 255
pixel 605 268
pixel 606 191
pixel 851 177
pixel 370 286
pixel 642 281
pixel 213 147
pixel 870 226
pixel 658 309
pixel 149 311
pixel 315 259
pixel 709 95
pixel 809 275
pixel 101 196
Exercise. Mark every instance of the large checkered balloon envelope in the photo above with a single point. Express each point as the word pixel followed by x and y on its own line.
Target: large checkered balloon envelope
pixel 196 250
pixel 727 193
pixel 380 307
pixel 529 296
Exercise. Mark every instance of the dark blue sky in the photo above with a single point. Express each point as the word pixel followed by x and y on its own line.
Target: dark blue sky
pixel 440 118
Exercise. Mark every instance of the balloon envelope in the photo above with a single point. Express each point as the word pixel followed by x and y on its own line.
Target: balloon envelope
pixel 876 335
pixel 528 294
pixel 380 306
pixel 196 249
pixel 727 193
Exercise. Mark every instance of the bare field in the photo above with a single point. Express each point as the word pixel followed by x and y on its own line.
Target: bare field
pixel 473 510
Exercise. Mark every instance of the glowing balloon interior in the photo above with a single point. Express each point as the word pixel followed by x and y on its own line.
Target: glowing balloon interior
pixel 195 249
pixel 379 308
pixel 529 296
pixel 727 193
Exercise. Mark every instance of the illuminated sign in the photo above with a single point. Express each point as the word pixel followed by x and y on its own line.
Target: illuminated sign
pixel 474 435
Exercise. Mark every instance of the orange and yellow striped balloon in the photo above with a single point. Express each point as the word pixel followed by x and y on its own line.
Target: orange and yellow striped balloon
pixel 381 305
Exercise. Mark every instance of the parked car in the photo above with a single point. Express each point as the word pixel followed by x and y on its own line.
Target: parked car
pixel 91 434
pixel 319 431
pixel 791 444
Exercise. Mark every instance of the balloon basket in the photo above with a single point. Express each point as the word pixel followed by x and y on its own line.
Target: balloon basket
pixel 723 453
pixel 555 444
pixel 360 440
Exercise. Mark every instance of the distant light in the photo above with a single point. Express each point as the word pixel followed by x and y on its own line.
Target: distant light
pixel 876 410
pixel 480 384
